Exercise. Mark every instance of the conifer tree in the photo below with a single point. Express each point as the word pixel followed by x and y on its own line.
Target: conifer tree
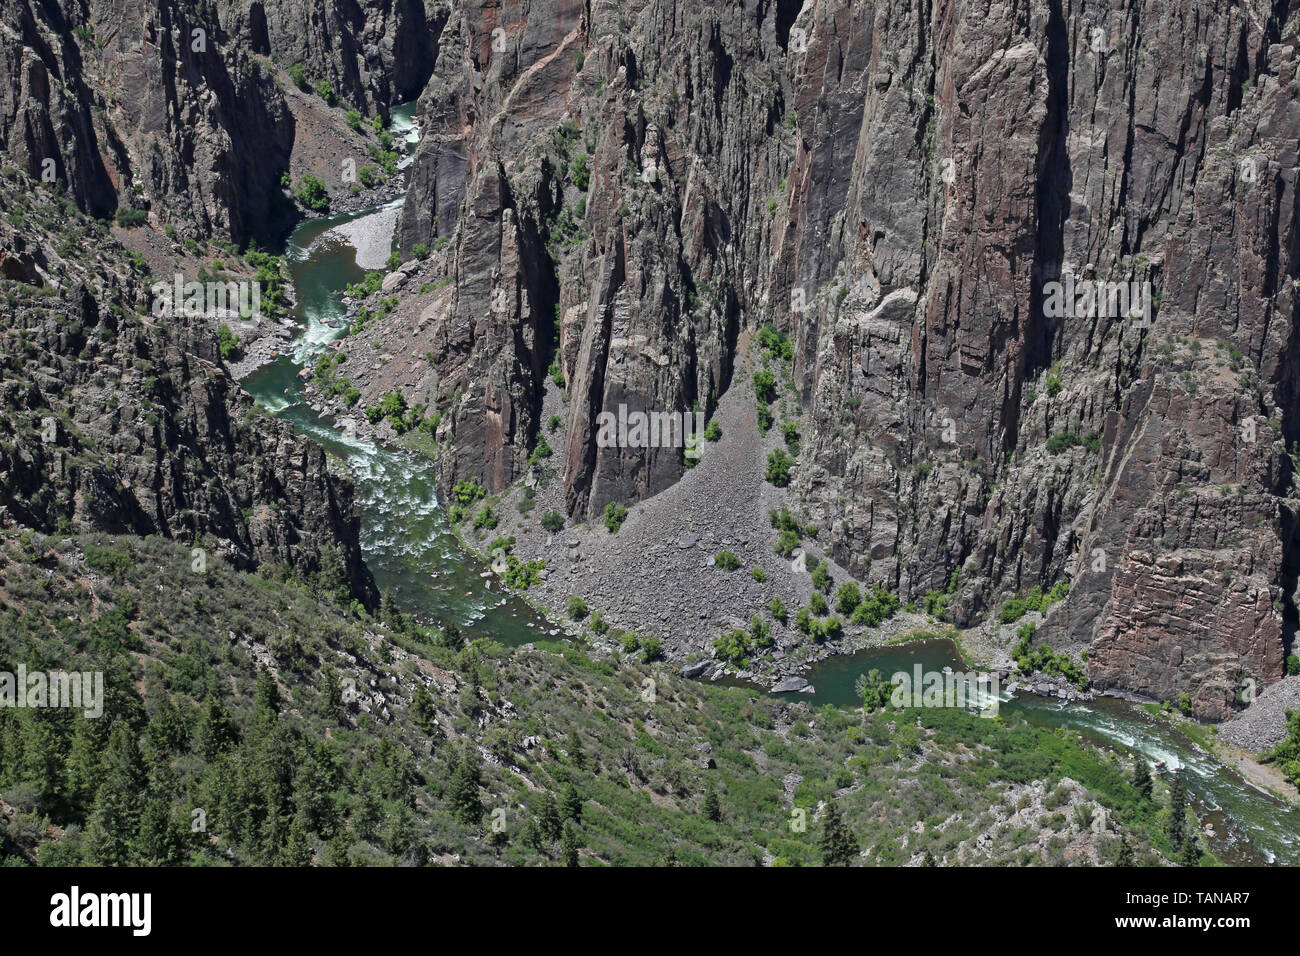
pixel 837 843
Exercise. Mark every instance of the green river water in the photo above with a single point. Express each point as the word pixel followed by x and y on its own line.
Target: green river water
pixel 412 552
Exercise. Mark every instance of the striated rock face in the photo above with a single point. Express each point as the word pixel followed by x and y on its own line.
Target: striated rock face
pixel 176 107
pixel 119 422
pixel 898 187
pixel 619 195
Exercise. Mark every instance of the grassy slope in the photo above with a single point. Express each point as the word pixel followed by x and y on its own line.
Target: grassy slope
pixel 373 779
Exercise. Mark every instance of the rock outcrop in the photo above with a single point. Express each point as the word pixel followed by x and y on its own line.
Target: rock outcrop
pixel 120 421
pixel 617 193
pixel 899 189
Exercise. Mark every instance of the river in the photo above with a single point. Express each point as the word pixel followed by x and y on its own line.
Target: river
pixel 1251 826
pixel 414 554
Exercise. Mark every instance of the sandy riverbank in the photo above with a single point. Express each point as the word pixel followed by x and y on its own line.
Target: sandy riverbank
pixel 371 236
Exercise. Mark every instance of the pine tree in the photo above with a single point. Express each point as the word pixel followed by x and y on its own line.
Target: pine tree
pixel 575 750
pixel 570 803
pixel 390 614
pixel 266 695
pixel 548 817
pixel 331 579
pixel 216 732
pixel 1177 828
pixel 1191 853
pixel 711 808
pixel 296 850
pixel 928 859
pixel 1125 855
pixel 463 792
pixel 838 845
pixel 336 851
pixel 1142 777
pixel 330 702
pixel 569 845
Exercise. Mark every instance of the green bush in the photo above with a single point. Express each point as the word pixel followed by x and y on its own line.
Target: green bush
pixel 726 560
pixel 227 342
pixel 467 491
pixel 847 598
pixel 615 515
pixel 552 521
pixel 764 386
pixel 877 608
pixel 129 218
pixel 821 578
pixel 311 194
pixel 299 77
pixel 577 608
pixel 778 468
pixel 115 564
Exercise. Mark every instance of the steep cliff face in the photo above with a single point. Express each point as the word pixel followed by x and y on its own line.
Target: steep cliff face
pixel 177 107
pixel 617 193
pixel 899 187
pixel 120 421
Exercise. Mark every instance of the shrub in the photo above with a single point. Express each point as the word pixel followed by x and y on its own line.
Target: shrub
pixel 726 560
pixel 821 578
pixel 540 451
pixel 552 521
pixel 847 598
pixel 615 515
pixel 311 194
pixel 758 575
pixel 129 218
pixel 467 491
pixel 875 609
pixel 817 603
pixel 935 604
pixel 420 250
pixel 651 649
pixel 299 77
pixel 325 90
pixel 733 647
pixel 777 607
pixel 712 431
pixel 226 342
pixel 777 344
pixel 577 608
pixel 106 561
pixel 764 386
pixel 778 468
pixel 786 543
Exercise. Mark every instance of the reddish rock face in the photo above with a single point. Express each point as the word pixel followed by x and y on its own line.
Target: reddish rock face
pixel 620 192
pixel 912 180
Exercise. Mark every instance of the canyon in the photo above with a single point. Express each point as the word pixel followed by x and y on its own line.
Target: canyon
pixel 628 192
